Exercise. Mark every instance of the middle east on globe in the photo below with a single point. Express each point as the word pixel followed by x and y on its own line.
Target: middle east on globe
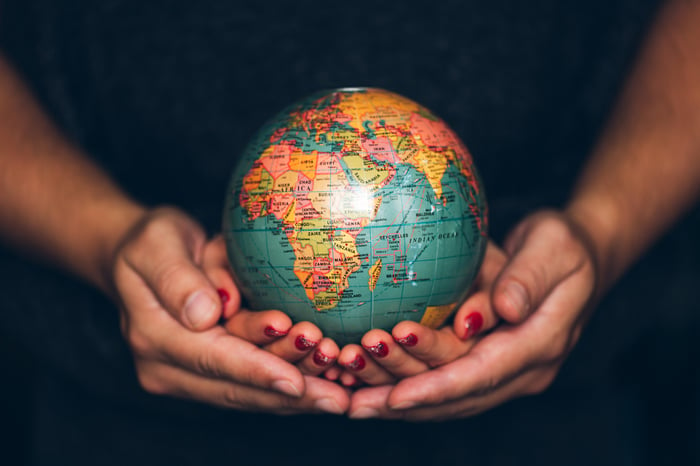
pixel 354 209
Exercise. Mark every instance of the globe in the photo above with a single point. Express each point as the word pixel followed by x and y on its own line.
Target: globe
pixel 355 209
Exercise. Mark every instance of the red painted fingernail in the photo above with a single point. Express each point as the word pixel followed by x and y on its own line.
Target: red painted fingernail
pixel 303 344
pixel 473 323
pixel 408 340
pixel 356 364
pixel 225 297
pixel 273 332
pixel 321 359
pixel 380 349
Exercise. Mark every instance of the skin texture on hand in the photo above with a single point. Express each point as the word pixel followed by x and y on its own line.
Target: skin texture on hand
pixel 169 312
pixel 548 255
pixel 412 348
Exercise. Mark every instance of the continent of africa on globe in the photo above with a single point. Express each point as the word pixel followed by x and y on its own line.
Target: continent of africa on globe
pixel 356 209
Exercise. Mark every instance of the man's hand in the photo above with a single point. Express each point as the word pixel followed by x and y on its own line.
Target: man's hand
pixel 169 314
pixel 545 288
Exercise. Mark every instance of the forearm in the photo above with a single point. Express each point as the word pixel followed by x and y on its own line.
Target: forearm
pixel 645 170
pixel 54 202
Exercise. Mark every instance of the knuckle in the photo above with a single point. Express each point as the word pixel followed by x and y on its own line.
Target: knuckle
pixel 155 230
pixel 206 363
pixel 233 399
pixel 556 349
pixel 541 384
pixel 150 383
pixel 166 278
pixel 140 344
pixel 556 230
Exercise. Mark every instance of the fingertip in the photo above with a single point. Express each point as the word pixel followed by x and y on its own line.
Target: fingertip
pixel 277 324
pixel 333 373
pixel 308 336
pixel 287 387
pixel 202 311
pixel 407 333
pixel 474 316
pixel 511 301
pixel 376 342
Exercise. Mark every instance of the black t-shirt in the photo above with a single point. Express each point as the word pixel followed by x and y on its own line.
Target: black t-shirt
pixel 164 95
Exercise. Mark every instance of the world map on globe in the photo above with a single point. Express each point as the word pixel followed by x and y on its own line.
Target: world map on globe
pixel 354 209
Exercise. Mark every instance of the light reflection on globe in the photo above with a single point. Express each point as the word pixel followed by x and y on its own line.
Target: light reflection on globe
pixel 356 209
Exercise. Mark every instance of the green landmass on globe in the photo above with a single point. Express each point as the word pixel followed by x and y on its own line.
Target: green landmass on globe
pixel 355 209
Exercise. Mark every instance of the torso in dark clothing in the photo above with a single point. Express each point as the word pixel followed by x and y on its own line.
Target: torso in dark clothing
pixel 164 95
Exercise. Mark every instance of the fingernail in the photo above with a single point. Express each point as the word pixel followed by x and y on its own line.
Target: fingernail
pixel 286 387
pixel 303 344
pixel 517 296
pixel 404 405
pixel 363 413
pixel 380 349
pixel 473 324
pixel 356 364
pixel 408 340
pixel 224 296
pixel 273 332
pixel 328 405
pixel 199 308
pixel 321 359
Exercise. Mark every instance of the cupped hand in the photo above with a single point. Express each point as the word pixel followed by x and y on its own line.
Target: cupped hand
pixel 543 292
pixel 412 348
pixel 169 315
pixel 302 343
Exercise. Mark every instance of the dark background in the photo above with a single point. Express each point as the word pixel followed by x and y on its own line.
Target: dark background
pixel 163 93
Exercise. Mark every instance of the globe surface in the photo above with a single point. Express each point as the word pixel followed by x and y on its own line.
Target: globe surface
pixel 356 209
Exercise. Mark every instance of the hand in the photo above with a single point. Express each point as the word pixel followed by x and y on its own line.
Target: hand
pixel 544 292
pixel 302 343
pixel 169 311
pixel 413 348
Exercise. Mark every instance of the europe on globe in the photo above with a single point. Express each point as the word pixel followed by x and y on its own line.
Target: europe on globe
pixel 355 209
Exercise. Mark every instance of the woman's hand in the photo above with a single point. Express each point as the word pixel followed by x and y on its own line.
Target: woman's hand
pixel 543 292
pixel 412 348
pixel 302 344
pixel 169 312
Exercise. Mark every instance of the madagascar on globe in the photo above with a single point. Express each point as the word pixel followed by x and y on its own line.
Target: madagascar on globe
pixel 356 209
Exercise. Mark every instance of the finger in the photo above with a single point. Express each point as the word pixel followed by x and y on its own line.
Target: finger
pixel 216 268
pixel 300 341
pixel 320 358
pixel 433 347
pixel 212 353
pixel 166 255
pixel 259 327
pixel 494 260
pixel 349 380
pixel 390 355
pixel 321 395
pixel 544 253
pixel 358 363
pixel 371 402
pixel 498 358
pixel 333 373
pixel 475 316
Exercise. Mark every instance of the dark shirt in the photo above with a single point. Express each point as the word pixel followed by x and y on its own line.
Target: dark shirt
pixel 164 95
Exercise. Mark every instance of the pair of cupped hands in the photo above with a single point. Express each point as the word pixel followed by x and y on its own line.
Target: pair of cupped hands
pixel 181 315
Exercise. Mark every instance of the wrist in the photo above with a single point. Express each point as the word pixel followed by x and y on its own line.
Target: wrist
pixel 124 218
pixel 598 222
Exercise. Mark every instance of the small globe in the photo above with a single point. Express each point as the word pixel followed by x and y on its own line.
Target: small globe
pixel 356 209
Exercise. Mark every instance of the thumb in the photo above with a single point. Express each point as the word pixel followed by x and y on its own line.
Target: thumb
pixel 166 255
pixel 543 252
